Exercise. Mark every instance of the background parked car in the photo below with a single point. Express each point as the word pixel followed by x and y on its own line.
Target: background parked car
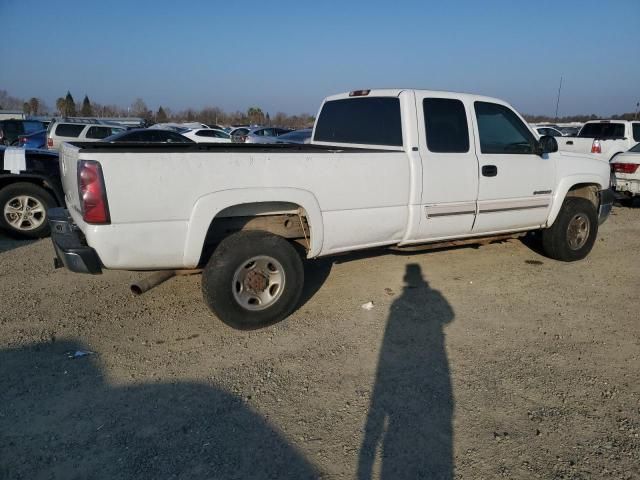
pixel 297 136
pixel 10 130
pixel 549 131
pixel 265 134
pixel 29 187
pixel 148 135
pixel 208 135
pixel 34 140
pixel 626 173
pixel 78 131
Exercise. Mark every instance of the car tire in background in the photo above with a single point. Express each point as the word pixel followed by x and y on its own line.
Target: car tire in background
pixel 23 210
pixel 253 279
pixel 573 234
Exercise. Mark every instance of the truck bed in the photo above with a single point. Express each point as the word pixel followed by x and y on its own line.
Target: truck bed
pixel 143 147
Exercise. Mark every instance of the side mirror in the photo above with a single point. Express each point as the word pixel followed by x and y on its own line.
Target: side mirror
pixel 547 144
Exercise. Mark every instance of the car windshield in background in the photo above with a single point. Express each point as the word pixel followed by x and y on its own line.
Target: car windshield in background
pixel 635 149
pixel 150 135
pixel 367 121
pixel 602 130
pixel 297 136
pixel 32 127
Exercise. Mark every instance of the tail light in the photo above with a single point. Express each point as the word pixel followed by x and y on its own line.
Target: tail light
pixel 596 147
pixel 625 167
pixel 93 197
pixel 49 142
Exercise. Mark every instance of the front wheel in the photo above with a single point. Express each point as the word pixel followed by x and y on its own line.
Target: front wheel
pixel 573 234
pixel 253 279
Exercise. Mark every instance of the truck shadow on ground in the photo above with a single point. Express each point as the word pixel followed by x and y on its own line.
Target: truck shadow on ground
pixel 60 419
pixel 7 243
pixel 409 422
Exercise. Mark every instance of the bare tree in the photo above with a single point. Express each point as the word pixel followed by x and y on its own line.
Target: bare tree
pixel 139 108
pixel 34 106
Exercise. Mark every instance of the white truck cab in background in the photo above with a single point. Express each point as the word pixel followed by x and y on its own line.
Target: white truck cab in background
pixel 604 138
pixel 392 167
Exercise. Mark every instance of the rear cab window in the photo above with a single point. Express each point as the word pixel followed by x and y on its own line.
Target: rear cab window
pixel 602 130
pixel 361 120
pixel 636 131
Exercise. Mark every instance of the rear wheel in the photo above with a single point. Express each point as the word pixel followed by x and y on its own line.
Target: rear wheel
pixel 573 234
pixel 253 279
pixel 23 210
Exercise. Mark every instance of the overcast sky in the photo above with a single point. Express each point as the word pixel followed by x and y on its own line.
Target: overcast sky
pixel 288 55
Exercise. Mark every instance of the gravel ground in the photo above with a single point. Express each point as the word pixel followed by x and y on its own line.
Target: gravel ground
pixel 490 362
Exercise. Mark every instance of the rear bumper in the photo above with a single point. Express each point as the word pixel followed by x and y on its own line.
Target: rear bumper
pixel 607 198
pixel 627 186
pixel 72 252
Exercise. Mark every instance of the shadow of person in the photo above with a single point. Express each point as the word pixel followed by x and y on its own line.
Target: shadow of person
pixel 410 413
pixel 60 419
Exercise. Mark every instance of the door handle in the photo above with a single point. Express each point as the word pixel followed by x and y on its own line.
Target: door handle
pixel 570 142
pixel 489 170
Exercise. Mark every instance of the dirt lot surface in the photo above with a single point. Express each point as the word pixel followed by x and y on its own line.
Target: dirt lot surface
pixel 490 362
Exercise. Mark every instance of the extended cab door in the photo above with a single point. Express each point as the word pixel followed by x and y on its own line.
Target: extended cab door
pixel 515 183
pixel 449 166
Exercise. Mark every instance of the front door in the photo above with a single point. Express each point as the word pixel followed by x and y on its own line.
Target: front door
pixel 515 183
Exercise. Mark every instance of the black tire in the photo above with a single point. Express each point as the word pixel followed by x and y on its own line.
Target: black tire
pixel 565 240
pixel 38 194
pixel 227 276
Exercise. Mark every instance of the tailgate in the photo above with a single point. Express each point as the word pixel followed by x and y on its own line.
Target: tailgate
pixel 69 176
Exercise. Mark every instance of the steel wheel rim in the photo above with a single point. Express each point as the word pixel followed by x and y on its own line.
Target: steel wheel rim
pixel 258 283
pixel 24 213
pixel 578 231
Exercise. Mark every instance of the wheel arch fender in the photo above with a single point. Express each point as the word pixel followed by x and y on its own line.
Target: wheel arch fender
pixel 565 185
pixel 207 207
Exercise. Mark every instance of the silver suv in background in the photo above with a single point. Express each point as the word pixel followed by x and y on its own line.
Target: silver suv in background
pixel 71 130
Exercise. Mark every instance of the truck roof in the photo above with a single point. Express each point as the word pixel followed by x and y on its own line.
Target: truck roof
pixel 394 92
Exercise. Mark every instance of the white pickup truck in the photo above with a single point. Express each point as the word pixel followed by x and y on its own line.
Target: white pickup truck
pixel 385 167
pixel 604 138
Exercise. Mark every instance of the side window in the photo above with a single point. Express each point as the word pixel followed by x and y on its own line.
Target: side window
pixel 636 132
pixel 445 122
pixel 98 132
pixel 71 130
pixel 501 131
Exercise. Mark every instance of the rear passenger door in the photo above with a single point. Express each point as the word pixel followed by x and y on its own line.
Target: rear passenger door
pixel 449 167
pixel 515 183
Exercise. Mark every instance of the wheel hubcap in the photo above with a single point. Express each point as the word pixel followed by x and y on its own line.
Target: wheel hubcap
pixel 258 283
pixel 578 231
pixel 24 213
